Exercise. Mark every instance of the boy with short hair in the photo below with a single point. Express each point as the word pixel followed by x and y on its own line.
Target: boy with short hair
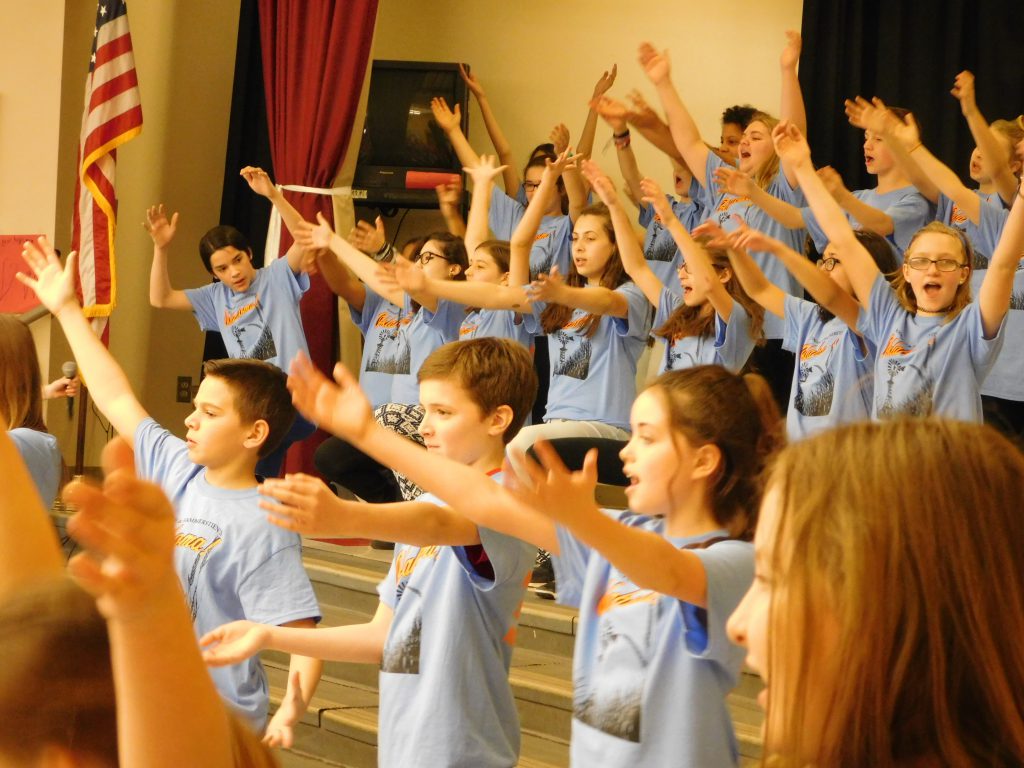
pixel 232 565
pixel 255 310
pixel 445 627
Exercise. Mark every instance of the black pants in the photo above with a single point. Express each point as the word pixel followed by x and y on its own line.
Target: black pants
pixel 1005 415
pixel 573 450
pixel 342 463
pixel 776 365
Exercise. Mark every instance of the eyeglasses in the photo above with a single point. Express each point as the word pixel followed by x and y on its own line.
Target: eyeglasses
pixel 426 257
pixel 686 267
pixel 527 185
pixel 943 265
pixel 828 264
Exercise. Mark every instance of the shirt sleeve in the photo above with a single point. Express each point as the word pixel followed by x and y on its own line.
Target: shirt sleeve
pixel 795 319
pixel 446 319
pixel 909 213
pixel 204 306
pixel 667 304
pixel 570 567
pixel 510 559
pixel 504 213
pixel 278 590
pixel 814 229
pixel 729 568
pixel 280 272
pixel 637 322
pixel 364 318
pixel 882 310
pixel 386 588
pixel 733 340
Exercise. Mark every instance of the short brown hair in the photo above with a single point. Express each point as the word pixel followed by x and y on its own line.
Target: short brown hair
pixel 20 382
pixel 261 392
pixel 494 372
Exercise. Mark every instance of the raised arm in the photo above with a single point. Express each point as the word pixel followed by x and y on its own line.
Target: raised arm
pixel 261 183
pixel 684 130
pixel 992 153
pixel 29 550
pixel 632 256
pixel 585 146
pixel 483 175
pixel 791 145
pixel 340 280
pixel 615 114
pixel 365 268
pixel 994 296
pixel 903 141
pixel 163 689
pixel 575 188
pixel 451 123
pixel 502 148
pixel 411 279
pixel 342 409
pixel 161 294
pixel 107 383
pixel 791 106
pixel 523 235
pixel 652 127
pixel 449 201
pixel 592 299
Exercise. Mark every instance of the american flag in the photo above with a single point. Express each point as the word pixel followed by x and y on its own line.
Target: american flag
pixel 113 115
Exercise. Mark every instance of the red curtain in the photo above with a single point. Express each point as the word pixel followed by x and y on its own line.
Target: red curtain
pixel 315 54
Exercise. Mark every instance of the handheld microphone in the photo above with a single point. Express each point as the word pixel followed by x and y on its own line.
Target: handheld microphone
pixel 70 369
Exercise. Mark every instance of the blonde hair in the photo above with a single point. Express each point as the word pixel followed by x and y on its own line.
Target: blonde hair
pixel 21 400
pixel 764 175
pixel 1013 132
pixel 904 291
pixel 927 596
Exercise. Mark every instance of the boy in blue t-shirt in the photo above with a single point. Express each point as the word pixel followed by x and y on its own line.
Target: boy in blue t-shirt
pixel 256 311
pixel 231 564
pixel 446 623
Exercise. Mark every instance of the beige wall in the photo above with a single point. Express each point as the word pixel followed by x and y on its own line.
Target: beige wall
pixel 185 53
pixel 539 61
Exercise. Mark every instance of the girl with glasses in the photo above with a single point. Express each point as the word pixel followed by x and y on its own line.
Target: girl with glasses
pixel 934 345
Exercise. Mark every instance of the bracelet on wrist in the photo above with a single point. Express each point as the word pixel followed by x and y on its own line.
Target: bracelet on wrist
pixel 622 135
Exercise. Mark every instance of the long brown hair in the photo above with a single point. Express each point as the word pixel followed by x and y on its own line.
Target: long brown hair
pixel 555 316
pixel 904 291
pixel 710 405
pixel 696 321
pixel 927 597
pixel 21 399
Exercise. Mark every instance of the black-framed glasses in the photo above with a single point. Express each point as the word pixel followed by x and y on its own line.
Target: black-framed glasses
pixel 922 263
pixel 686 267
pixel 828 264
pixel 528 185
pixel 426 257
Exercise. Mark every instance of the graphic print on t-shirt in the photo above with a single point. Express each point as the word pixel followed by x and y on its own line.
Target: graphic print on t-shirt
pixel 909 390
pixel 402 648
pixel 612 699
pixel 815 382
pixel 201 538
pixel 958 221
pixel 250 331
pixel 392 354
pixel 574 352
pixel 660 248
pixel 541 266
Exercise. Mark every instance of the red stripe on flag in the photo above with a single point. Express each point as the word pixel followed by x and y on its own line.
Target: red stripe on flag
pixel 126 81
pixel 109 51
pixel 112 130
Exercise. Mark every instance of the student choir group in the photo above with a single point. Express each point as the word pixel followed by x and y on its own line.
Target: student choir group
pixel 859 552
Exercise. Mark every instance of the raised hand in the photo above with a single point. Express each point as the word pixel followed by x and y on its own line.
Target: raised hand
pixel 560 138
pixel 446 118
pixel 340 407
pixel 605 81
pixel 790 145
pixel 304 504
pixel 614 112
pixel 159 228
pixel 486 170
pixel 655 63
pixel 655 197
pixel 599 182
pixel 368 238
pixel 963 90
pixel 832 180
pixel 314 235
pixel 127 530
pixel 734 181
pixel 553 490
pixel 546 288
pixel 233 643
pixel 560 163
pixel 710 229
pixel 54 286
pixel 642 115
pixel 279 731
pixel 471 82
pixel 408 276
pixel 258 181
pixel 749 239
pixel 449 194
pixel 791 53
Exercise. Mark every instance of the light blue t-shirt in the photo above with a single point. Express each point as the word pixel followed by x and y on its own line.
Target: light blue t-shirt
pixel 1006 377
pixel 984 235
pixel 925 366
pixel 834 378
pixel 385 348
pixel 232 563
pixel 730 347
pixel 41 454
pixel 650 672
pixel 723 205
pixel 660 250
pixel 552 245
pixel 907 207
pixel 263 322
pixel 422 338
pixel 445 699
pixel 593 378
pixel 490 323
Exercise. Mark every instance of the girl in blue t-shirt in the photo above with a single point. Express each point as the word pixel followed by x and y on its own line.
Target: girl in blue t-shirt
pixel 934 345
pixel 654 584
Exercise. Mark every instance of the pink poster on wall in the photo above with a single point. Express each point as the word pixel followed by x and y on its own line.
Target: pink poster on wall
pixel 15 297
